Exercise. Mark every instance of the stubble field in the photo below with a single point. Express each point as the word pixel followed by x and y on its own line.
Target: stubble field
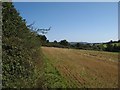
pixel 83 68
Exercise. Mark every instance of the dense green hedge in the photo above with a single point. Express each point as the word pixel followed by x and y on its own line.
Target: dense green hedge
pixel 20 50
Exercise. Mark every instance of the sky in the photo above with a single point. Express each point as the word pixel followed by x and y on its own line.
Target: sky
pixel 76 22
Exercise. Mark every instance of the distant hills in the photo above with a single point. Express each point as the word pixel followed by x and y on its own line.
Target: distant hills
pixel 73 43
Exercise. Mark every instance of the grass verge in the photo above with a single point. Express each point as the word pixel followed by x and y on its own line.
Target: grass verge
pixel 52 77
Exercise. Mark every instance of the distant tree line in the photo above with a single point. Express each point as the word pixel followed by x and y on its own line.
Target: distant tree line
pixel 111 46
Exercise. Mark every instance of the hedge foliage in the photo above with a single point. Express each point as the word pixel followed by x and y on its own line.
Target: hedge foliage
pixel 20 50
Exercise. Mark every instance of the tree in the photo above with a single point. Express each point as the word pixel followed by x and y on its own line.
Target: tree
pixel 95 47
pixel 109 47
pixel 64 42
pixel 110 42
pixel 47 41
pixel 43 38
pixel 118 41
pixel 55 41
pixel 37 30
pixel 77 45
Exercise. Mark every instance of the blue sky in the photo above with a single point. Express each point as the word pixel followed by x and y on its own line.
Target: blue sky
pixel 75 22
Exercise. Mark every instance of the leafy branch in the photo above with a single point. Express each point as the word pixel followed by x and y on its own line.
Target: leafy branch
pixel 36 30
